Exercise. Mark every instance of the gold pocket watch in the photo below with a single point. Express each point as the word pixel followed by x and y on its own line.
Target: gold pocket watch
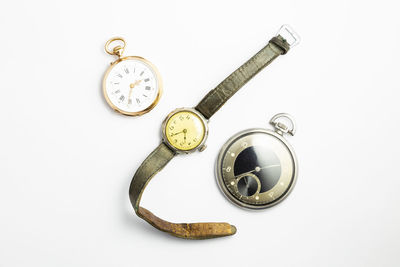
pixel 257 168
pixel 131 85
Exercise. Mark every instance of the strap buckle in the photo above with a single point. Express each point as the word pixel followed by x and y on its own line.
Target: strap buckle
pixel 287 33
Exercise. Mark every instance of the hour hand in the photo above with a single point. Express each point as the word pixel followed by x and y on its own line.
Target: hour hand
pixel 132 85
pixel 176 133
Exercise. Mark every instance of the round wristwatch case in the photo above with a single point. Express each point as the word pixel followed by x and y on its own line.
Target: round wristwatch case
pixel 257 168
pixel 185 130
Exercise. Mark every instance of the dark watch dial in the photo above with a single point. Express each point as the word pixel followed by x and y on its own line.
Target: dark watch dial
pixel 260 161
pixel 256 168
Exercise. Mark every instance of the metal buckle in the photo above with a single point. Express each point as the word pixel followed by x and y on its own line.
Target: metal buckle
pixel 287 33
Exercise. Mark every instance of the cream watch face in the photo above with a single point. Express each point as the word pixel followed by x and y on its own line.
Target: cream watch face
pixel 132 86
pixel 185 130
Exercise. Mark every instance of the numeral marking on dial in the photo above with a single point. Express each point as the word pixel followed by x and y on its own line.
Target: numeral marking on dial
pixel 119 75
pixel 147 88
pixel 126 70
pixel 138 100
pixel 147 79
pixel 122 97
pixel 141 73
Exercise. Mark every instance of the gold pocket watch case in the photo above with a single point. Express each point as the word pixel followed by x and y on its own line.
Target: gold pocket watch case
pixel 131 85
pixel 257 168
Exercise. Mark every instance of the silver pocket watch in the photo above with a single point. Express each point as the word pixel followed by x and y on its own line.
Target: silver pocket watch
pixel 257 168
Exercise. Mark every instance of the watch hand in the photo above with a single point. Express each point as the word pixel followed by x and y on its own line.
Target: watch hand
pixel 132 85
pixel 176 133
pixel 257 169
pixel 270 166
pixel 184 135
pixel 130 95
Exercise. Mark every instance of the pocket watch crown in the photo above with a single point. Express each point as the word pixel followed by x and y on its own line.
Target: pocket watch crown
pixel 281 127
pixel 118 50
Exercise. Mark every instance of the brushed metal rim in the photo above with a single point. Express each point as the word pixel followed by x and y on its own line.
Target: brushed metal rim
pixel 218 173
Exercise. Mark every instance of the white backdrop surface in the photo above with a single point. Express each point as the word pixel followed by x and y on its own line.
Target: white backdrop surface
pixel 66 159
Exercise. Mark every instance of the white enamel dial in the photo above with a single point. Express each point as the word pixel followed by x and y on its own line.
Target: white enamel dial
pixel 131 86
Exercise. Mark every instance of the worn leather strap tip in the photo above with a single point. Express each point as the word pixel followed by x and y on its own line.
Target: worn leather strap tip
pixel 188 230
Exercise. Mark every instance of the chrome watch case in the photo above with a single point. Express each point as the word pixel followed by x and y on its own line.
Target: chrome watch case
pixel 201 147
pixel 257 168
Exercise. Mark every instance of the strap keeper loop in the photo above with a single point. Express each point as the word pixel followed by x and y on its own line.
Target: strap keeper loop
pixel 280 43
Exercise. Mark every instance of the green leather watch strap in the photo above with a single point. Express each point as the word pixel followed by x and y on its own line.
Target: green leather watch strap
pixel 151 166
pixel 228 87
pixel 154 163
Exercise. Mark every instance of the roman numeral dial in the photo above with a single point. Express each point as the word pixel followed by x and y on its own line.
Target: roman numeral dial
pixel 132 86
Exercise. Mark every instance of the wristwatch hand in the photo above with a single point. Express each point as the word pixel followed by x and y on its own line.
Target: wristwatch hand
pixel 184 135
pixel 176 133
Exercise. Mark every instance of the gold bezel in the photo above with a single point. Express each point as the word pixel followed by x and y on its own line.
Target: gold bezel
pixel 159 85
pixel 204 121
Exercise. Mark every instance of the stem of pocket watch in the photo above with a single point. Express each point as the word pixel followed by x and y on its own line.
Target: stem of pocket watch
pixel 117 50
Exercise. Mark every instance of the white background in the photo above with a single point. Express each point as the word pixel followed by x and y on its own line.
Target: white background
pixel 66 159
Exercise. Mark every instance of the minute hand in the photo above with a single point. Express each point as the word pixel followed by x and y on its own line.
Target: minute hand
pixel 257 169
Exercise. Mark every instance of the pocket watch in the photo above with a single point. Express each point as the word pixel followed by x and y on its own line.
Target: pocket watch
pixel 185 130
pixel 257 168
pixel 131 85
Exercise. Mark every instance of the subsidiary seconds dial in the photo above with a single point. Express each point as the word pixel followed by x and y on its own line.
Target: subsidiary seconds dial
pixel 132 86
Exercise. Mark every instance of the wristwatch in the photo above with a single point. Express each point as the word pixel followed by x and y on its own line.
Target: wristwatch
pixel 185 130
